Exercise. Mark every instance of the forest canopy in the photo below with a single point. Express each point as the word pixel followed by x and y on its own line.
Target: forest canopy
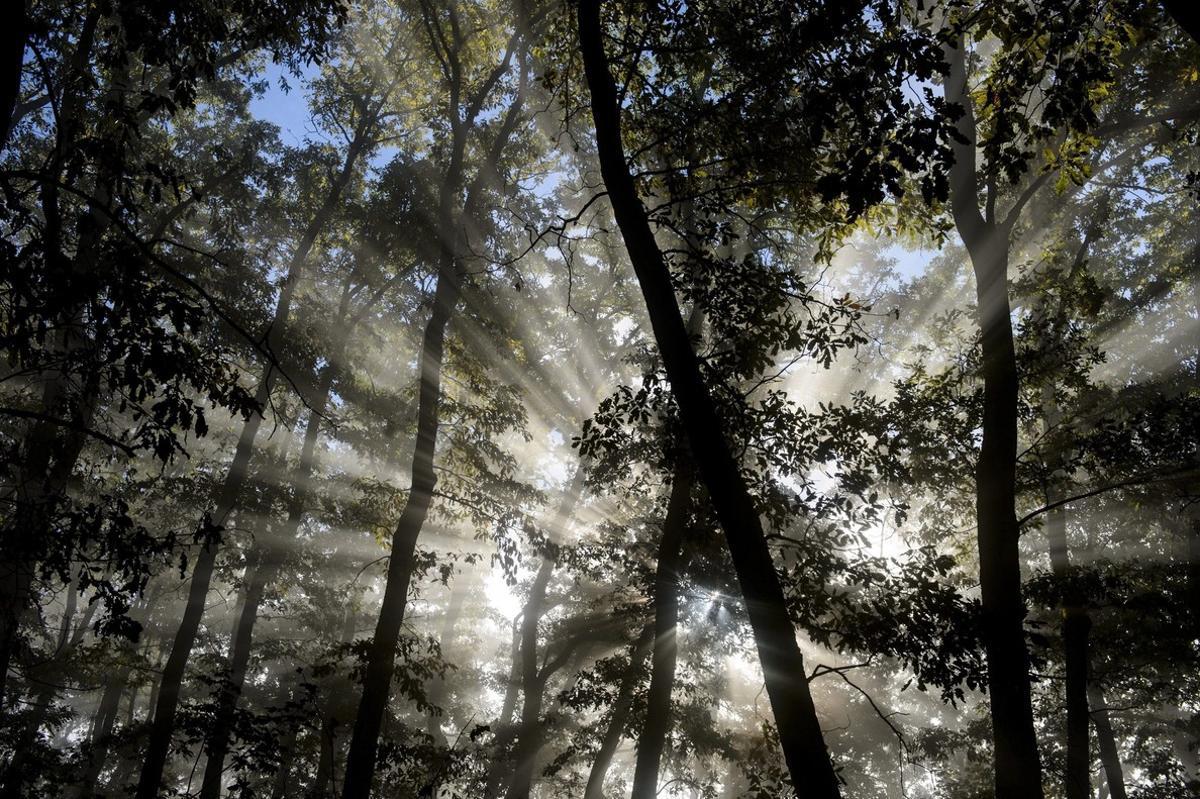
pixel 513 398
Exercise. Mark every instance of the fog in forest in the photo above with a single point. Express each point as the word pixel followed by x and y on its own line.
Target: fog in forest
pixel 595 399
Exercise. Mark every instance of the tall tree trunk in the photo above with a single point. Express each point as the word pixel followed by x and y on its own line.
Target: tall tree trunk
pixel 1017 768
pixel 267 562
pixel 44 679
pixel 280 786
pixel 377 678
pixel 666 616
pixel 1110 758
pixel 227 496
pixel 260 572
pixel 381 655
pixel 775 636
pixel 620 715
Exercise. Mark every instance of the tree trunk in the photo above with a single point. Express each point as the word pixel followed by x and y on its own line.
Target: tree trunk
pixel 1110 758
pixel 666 616
pixel 227 497
pixel 381 656
pixel 100 739
pixel 1076 623
pixel 322 786
pixel 505 730
pixel 264 568
pixel 438 689
pixel 44 679
pixel 16 32
pixel 533 679
pixel 782 662
pixel 620 715
pixel 280 787
pixel 1185 16
pixel 533 686
pixel 1017 769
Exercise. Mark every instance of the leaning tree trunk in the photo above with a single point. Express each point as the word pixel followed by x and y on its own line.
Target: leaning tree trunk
pixel 775 636
pixel 653 739
pixel 185 638
pixel 620 715
pixel 1017 768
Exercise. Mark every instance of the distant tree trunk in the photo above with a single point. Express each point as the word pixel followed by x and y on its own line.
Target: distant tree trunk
pixel 280 787
pixel 783 665
pixel 43 695
pixel 620 715
pixel 100 738
pixel 505 729
pixel 322 786
pixel 381 655
pixel 1110 758
pixel 666 616
pixel 437 689
pixel 239 469
pixel 1017 768
pixel 1076 623
pixel 533 677
pixel 260 572
pixel 533 686
pixel 268 560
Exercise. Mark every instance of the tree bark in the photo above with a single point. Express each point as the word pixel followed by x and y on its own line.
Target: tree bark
pixel 1017 768
pixel 620 715
pixel 775 636
pixel 666 616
